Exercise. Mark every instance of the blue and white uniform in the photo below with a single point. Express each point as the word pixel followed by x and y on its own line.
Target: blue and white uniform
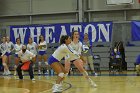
pixel 4 48
pixel 42 48
pixel 10 47
pixel 61 52
pixel 76 47
pixel 32 48
pixel 17 49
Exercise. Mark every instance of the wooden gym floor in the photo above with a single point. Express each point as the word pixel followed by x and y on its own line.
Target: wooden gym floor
pixel 124 83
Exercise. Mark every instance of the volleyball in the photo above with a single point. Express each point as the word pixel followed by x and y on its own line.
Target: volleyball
pixel 85 48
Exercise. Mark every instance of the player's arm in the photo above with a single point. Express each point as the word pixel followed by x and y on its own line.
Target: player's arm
pixel 28 47
pixel 70 51
pixel 12 47
pixel 32 56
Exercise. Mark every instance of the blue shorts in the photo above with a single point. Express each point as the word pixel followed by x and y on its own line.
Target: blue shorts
pixel 16 55
pixel 8 54
pixel 42 53
pixel 51 60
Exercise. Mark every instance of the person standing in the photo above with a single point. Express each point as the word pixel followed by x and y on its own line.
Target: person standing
pixel 56 57
pixel 4 51
pixel 32 47
pixel 17 48
pixel 88 56
pixel 42 48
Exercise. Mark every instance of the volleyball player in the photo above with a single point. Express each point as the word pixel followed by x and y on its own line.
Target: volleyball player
pixel 10 49
pixel 17 48
pixel 4 51
pixel 32 47
pixel 78 62
pixel 42 47
pixel 54 61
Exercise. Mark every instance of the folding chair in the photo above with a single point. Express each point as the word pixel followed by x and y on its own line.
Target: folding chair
pixel 96 62
pixel 115 65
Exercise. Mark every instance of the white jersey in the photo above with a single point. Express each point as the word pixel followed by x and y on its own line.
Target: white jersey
pixel 62 51
pixel 42 46
pixel 10 46
pixel 17 48
pixel 32 48
pixel 3 48
pixel 27 56
pixel 77 47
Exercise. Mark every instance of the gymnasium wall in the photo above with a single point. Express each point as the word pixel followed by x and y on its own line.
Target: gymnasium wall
pixel 24 12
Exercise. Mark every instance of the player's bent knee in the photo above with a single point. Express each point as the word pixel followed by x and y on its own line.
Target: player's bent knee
pixel 61 75
pixel 4 64
pixel 46 63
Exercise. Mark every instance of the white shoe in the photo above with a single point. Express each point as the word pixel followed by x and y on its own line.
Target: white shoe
pixel 22 72
pixel 33 79
pixel 46 73
pixel 8 72
pixel 15 73
pixel 18 79
pixel 4 73
pixel 58 85
pixel 95 74
pixel 39 72
pixel 57 88
pixel 93 84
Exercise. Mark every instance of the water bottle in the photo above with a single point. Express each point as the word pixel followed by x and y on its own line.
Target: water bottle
pixel 52 72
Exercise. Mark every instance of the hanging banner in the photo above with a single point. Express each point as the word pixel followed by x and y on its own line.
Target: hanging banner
pixel 97 31
pixel 135 30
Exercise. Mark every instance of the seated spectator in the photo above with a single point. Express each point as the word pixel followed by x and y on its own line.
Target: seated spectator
pixel 138 65
pixel 115 54
pixel 115 59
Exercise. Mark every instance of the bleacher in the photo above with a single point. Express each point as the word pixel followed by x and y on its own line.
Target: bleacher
pixel 131 52
pixel 103 50
pixel 104 55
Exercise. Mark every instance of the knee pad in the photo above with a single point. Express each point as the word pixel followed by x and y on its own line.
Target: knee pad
pixel 61 75
pixel 39 63
pixel 4 64
pixel 46 63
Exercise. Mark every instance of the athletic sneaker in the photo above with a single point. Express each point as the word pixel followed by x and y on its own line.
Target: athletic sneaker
pixel 15 73
pixel 22 72
pixel 92 83
pixel 18 79
pixel 59 85
pixel 8 72
pixel 57 88
pixel 4 73
pixel 33 79
pixel 95 74
pixel 39 72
